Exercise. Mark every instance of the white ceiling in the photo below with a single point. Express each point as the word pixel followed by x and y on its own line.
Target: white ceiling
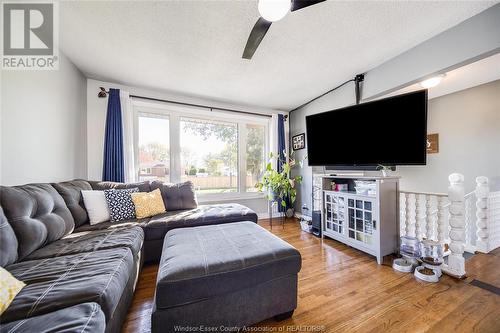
pixel 194 47
pixel 468 76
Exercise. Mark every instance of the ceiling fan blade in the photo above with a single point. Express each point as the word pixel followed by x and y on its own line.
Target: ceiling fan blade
pixel 299 4
pixel 256 35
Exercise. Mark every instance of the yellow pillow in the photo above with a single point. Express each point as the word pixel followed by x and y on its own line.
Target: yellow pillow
pixel 9 288
pixel 148 204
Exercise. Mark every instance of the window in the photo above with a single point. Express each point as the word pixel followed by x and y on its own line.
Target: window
pixel 221 153
pixel 256 154
pixel 209 155
pixel 153 147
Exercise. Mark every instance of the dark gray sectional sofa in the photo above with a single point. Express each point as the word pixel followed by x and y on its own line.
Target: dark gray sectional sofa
pixel 81 277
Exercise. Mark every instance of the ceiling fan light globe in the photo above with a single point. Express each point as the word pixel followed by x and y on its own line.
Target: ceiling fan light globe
pixel 274 10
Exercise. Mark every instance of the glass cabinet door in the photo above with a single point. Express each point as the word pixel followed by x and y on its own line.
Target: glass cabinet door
pixel 328 212
pixel 338 214
pixel 334 213
pixel 360 219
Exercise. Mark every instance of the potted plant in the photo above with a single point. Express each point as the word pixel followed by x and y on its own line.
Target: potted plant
pixel 385 169
pixel 280 186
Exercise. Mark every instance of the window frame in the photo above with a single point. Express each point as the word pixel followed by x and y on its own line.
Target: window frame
pixel 136 140
pixel 174 113
pixel 238 164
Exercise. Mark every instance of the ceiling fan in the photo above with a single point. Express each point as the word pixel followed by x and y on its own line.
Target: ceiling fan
pixel 271 11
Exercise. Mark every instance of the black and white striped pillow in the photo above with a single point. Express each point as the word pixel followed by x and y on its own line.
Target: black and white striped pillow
pixel 120 204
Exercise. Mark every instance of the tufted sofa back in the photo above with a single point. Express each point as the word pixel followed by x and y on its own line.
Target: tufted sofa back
pixel 177 196
pixel 101 185
pixel 8 242
pixel 37 214
pixel 71 191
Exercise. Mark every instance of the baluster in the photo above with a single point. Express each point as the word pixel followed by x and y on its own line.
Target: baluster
pixel 419 226
pixel 442 226
pixel 429 231
pixel 467 216
pixel 456 260
pixel 435 217
pixel 410 220
pixel 482 191
pixel 402 214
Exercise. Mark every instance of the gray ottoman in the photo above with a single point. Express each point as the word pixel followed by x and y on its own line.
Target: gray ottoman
pixel 226 275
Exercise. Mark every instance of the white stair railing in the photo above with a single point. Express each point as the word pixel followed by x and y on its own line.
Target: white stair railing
pixel 456 196
pixel 424 215
pixel 442 219
pixel 470 222
pixel 430 214
pixel 461 222
pixel 493 221
pixel 482 193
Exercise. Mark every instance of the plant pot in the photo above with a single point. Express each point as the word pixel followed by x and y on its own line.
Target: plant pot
pixel 274 196
pixel 290 212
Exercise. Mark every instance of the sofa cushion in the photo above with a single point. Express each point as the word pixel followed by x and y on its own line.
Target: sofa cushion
pixel 9 288
pixel 82 318
pixel 120 204
pixel 56 283
pixel 38 215
pixel 99 185
pixel 8 242
pixel 177 196
pixel 71 193
pixel 114 225
pixel 148 204
pixel 159 225
pixel 203 262
pixel 82 242
pixel 96 205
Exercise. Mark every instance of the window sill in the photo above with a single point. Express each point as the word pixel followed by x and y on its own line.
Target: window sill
pixel 207 198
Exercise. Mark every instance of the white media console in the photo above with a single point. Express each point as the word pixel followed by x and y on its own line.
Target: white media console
pixel 367 222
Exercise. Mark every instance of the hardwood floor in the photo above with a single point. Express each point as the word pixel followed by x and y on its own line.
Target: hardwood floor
pixel 344 290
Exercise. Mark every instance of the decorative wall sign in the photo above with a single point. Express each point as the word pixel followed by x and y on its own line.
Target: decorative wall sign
pixel 433 143
pixel 299 141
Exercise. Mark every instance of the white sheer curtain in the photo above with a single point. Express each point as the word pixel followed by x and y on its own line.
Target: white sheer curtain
pixel 273 139
pixel 128 136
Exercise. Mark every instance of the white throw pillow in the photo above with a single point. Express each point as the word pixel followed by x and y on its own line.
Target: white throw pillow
pixel 96 205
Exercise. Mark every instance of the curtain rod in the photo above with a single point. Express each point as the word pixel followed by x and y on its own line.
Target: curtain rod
pixel 200 106
pixel 103 93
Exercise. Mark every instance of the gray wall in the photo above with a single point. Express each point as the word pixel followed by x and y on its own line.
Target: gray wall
pixel 439 54
pixel 43 125
pixel 468 123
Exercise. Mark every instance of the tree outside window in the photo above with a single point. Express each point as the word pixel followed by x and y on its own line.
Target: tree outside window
pixel 214 149
pixel 255 149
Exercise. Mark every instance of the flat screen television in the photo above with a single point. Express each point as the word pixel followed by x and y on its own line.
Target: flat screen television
pixel 391 131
